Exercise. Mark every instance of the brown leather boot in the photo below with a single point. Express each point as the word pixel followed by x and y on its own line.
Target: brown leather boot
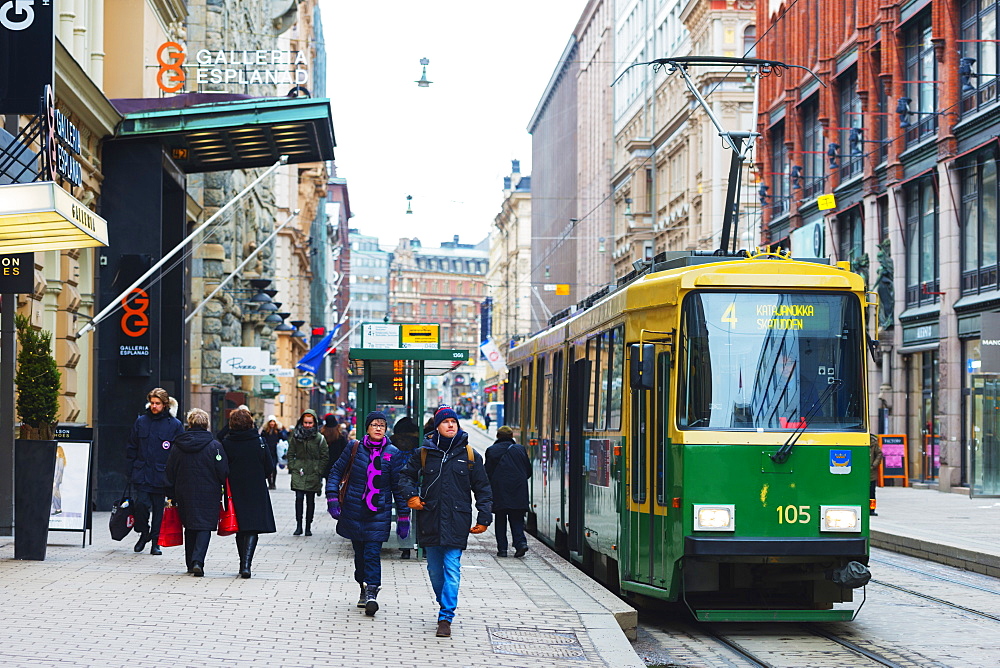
pixel 444 629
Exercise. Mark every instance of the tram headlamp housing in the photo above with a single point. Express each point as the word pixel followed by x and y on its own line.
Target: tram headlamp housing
pixel 840 518
pixel 714 517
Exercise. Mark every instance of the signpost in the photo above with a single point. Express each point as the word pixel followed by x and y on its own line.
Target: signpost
pixel 894 453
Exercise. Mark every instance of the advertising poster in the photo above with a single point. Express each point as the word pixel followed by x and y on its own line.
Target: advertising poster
pixel 69 486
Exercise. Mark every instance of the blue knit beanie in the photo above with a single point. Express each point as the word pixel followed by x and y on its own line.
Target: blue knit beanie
pixel 442 414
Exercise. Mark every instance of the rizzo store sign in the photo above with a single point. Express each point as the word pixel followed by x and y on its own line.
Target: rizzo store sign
pixel 178 72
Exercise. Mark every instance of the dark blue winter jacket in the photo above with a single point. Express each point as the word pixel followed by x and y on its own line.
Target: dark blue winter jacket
pixel 356 521
pixel 149 447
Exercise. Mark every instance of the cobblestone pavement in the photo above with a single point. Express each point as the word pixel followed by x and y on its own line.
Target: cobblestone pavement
pixel 104 605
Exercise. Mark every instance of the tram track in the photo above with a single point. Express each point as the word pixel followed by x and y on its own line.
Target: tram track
pixel 940 601
pixel 785 650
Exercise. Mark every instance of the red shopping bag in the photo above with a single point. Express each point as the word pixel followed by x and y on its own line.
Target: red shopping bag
pixel 227 514
pixel 171 531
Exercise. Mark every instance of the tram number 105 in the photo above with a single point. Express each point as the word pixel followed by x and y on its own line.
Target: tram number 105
pixel 794 514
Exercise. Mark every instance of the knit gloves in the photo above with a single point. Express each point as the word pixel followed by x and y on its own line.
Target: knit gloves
pixel 333 506
pixel 403 527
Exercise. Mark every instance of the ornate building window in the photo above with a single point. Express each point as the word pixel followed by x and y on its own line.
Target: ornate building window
pixel 851 235
pixel 978 218
pixel 779 171
pixel 979 44
pixel 921 78
pixel 813 151
pixel 851 152
pixel 922 272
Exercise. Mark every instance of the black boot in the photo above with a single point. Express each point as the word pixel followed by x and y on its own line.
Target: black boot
pixel 251 546
pixel 371 605
pixel 363 599
pixel 309 528
pixel 298 527
pixel 141 545
pixel 155 549
pixel 241 549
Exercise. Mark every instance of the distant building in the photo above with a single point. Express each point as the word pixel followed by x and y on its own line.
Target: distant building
pixel 509 277
pixel 369 282
pixel 446 286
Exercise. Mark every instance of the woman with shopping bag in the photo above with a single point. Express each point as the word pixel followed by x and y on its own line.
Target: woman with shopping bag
pixel 196 470
pixel 250 467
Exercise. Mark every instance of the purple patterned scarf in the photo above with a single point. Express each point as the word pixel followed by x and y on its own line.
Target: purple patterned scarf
pixel 374 480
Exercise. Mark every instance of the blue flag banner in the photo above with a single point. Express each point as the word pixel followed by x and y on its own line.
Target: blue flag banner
pixel 311 360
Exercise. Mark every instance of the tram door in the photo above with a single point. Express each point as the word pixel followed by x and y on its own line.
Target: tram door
pixel 579 371
pixel 640 523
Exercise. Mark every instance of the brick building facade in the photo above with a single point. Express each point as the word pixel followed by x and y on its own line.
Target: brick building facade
pixel 904 135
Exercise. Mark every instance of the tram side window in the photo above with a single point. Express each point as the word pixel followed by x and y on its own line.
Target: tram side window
pixel 526 394
pixel 594 355
pixel 603 382
pixel 513 402
pixel 615 381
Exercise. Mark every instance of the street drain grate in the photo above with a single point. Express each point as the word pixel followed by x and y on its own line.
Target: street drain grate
pixel 532 642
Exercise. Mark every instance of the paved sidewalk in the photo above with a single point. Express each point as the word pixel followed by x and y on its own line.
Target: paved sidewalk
pixel 104 605
pixel 948 528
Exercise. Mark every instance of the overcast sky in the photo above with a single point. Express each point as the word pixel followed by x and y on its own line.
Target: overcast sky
pixel 448 145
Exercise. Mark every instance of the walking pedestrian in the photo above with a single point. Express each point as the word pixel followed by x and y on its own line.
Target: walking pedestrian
pixel 196 470
pixel 250 467
pixel 147 451
pixel 308 463
pixel 509 469
pixel 273 433
pixel 486 419
pixel 406 436
pixel 876 461
pixel 440 480
pixel 365 513
pixel 336 439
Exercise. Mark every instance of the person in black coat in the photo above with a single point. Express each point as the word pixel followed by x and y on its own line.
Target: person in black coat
pixel 336 439
pixel 250 467
pixel 440 479
pixel 273 433
pixel 196 470
pixel 509 469
pixel 147 451
pixel 365 513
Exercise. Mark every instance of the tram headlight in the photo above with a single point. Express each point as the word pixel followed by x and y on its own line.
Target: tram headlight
pixel 714 517
pixel 840 518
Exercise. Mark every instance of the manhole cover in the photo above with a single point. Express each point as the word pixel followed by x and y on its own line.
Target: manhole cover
pixel 532 642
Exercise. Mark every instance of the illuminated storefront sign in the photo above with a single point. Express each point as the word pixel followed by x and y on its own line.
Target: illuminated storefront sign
pixel 220 67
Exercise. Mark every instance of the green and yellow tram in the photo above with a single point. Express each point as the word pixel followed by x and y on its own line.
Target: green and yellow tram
pixel 700 434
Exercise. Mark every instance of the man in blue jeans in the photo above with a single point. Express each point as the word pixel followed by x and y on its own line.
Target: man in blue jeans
pixel 440 479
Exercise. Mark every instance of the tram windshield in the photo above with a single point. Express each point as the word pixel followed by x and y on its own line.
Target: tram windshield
pixel 770 360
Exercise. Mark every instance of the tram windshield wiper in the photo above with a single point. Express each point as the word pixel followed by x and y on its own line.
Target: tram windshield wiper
pixel 781 455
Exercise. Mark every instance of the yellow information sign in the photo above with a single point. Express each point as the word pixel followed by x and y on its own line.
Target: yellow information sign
pixel 420 336
pixel 825 202
pixel 562 288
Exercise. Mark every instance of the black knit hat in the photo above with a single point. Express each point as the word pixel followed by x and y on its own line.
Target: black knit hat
pixel 376 415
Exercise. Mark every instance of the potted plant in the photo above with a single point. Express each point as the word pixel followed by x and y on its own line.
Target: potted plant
pixel 37 380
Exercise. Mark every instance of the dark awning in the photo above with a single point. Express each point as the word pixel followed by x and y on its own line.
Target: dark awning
pixel 238 134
